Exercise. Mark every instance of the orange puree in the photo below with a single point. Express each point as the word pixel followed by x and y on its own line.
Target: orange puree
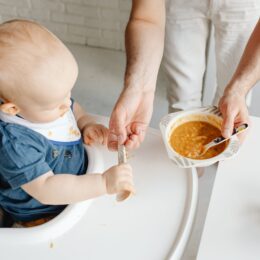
pixel 189 138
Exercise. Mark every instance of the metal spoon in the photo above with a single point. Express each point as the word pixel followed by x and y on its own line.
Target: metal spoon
pixel 221 139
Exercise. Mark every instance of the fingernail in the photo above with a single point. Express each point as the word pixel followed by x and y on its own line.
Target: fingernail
pixel 138 130
pixel 112 137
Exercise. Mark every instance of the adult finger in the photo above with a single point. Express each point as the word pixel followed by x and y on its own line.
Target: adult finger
pixel 117 130
pixel 228 122
pixel 133 142
pixel 243 119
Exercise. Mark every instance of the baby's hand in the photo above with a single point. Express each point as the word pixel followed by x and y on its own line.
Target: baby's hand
pixel 95 133
pixel 119 178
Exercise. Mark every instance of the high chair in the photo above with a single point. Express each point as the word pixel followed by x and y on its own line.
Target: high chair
pixel 155 223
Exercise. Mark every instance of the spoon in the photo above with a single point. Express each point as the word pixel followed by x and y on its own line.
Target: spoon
pixel 221 139
pixel 122 158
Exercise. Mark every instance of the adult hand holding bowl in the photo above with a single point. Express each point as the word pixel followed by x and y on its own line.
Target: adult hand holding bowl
pixel 184 132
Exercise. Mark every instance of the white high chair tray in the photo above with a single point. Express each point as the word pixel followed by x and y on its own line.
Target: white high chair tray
pixel 153 224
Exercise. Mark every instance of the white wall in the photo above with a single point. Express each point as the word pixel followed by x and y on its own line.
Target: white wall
pixel 98 23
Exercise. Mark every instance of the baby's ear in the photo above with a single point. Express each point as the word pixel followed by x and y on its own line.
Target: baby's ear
pixel 10 108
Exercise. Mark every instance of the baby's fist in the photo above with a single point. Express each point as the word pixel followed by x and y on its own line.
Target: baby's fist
pixel 95 133
pixel 119 178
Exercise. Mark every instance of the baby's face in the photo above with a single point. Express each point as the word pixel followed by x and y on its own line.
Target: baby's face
pixel 47 113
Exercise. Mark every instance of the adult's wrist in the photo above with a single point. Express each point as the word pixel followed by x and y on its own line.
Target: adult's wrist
pixel 139 82
pixel 236 88
pixel 139 88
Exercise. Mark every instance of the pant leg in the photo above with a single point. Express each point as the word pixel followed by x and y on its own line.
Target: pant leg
pixel 234 21
pixel 186 35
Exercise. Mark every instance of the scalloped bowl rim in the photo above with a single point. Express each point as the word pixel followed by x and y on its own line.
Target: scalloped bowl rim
pixel 167 123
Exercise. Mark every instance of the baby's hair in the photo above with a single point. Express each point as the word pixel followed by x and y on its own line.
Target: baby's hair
pixel 26 50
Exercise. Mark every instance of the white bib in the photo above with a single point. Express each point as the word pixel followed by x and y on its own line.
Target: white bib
pixel 64 129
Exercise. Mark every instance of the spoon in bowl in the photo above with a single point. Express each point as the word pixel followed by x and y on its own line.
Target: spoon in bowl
pixel 221 139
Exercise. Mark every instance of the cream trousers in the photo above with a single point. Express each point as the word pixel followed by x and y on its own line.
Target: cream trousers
pixel 188 24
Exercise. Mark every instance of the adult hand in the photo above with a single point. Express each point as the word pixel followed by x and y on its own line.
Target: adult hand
pixel 234 111
pixel 232 104
pixel 130 118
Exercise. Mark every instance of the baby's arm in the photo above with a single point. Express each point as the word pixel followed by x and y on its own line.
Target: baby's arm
pixel 91 131
pixel 60 189
pixel 81 116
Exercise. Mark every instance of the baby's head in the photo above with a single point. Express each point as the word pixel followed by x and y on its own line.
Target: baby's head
pixel 37 72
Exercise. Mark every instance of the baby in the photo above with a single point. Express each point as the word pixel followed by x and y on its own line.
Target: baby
pixel 42 157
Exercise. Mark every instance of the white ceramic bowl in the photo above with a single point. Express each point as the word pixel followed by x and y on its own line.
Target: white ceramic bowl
pixel 207 114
